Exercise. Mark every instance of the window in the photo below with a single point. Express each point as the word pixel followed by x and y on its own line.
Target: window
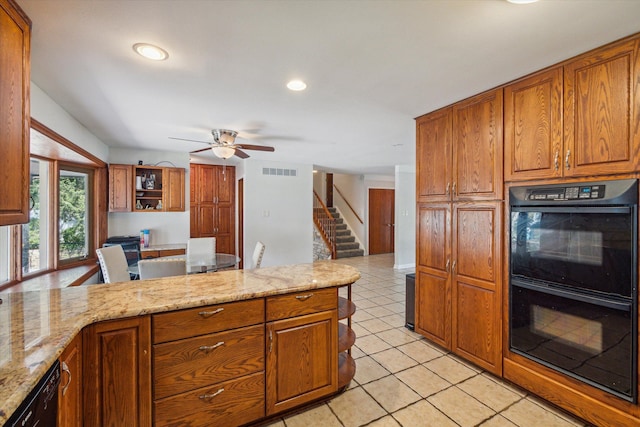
pixel 64 222
pixel 73 214
pixel 35 233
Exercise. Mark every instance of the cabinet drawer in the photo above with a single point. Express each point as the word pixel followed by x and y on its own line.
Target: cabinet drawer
pixel 198 362
pixel 313 301
pixel 230 403
pixel 205 320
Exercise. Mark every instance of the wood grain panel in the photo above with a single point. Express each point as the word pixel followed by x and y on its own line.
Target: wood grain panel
pixel 601 115
pixel 230 403
pixel 533 127
pixel 433 156
pixel 433 307
pixel 477 147
pixel 205 320
pixel 475 243
pixel 70 388
pixel 312 301
pixel 120 184
pixel 433 235
pixel 187 364
pixel 15 48
pixel 174 190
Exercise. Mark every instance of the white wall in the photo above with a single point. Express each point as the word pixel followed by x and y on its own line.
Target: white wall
pixel 46 111
pixel 165 227
pixel 405 211
pixel 278 212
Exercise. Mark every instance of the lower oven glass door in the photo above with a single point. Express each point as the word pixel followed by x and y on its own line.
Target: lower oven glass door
pixel 585 337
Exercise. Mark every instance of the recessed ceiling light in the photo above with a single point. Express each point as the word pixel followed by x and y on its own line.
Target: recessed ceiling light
pixel 297 85
pixel 150 51
pixel 522 1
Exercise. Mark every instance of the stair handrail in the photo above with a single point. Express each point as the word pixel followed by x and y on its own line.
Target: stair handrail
pixel 325 223
pixel 348 204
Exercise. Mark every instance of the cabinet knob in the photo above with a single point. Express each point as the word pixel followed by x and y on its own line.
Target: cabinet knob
pixel 446 267
pixel 303 297
pixel 65 368
pixel 447 189
pixel 209 348
pixel 566 159
pixel 556 160
pixel 454 188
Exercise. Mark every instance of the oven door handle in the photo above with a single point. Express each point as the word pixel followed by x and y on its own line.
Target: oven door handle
pixel 573 209
pixel 576 296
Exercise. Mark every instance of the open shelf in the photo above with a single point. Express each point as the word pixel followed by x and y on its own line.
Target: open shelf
pixel 346 369
pixel 346 337
pixel 346 308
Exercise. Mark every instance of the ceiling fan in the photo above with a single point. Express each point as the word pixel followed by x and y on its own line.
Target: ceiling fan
pixel 224 144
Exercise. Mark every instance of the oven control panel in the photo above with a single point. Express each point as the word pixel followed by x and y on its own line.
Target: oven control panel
pixel 580 192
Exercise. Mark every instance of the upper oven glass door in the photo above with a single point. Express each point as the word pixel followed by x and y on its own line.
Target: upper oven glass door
pixel 580 247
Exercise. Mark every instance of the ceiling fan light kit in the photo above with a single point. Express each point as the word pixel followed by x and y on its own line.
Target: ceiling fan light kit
pixel 224 136
pixel 222 151
pixel 224 145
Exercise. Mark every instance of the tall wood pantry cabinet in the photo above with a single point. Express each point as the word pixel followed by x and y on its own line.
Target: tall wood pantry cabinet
pixel 459 217
pixel 15 45
pixel 212 204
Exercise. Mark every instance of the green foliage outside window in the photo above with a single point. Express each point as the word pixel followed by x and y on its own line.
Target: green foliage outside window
pixel 72 216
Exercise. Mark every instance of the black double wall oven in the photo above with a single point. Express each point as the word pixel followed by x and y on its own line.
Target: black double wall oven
pixel 573 281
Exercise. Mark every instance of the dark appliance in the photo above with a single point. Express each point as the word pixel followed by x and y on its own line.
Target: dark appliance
pixel 40 408
pixel 410 301
pixel 573 280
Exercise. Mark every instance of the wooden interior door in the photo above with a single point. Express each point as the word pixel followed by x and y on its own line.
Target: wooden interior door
pixel 381 220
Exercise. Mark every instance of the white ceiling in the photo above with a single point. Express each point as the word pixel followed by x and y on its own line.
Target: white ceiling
pixel 371 67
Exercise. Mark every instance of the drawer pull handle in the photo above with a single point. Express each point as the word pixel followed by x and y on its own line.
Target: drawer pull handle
pixel 211 396
pixel 303 297
pixel 208 348
pixel 65 368
pixel 210 313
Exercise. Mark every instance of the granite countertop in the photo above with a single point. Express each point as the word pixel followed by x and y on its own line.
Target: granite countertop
pixel 164 247
pixel 36 326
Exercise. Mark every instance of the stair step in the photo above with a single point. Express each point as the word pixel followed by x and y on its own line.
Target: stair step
pixel 343 232
pixel 345 239
pixel 347 245
pixel 341 226
pixel 349 253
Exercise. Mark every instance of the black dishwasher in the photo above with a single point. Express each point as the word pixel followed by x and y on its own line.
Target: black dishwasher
pixel 40 408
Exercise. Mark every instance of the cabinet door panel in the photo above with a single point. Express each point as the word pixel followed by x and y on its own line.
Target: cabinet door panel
pixel 15 40
pixel 477 147
pixel 475 242
pixel 433 307
pixel 433 236
pixel 477 326
pixel 533 127
pixel 70 388
pixel 206 223
pixel 117 373
pixel 433 155
pixel 206 183
pixel 601 115
pixel 301 360
pixel 120 184
pixel 174 190
pixel 225 184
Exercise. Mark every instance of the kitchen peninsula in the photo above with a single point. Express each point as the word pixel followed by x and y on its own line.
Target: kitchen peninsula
pixel 257 315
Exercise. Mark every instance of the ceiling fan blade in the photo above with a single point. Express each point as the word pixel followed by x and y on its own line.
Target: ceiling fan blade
pixel 256 147
pixel 241 154
pixel 190 140
pixel 197 151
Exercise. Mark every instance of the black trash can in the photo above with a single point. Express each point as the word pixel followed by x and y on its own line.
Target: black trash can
pixel 410 308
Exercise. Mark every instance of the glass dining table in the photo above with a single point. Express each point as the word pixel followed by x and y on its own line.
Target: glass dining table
pixel 198 264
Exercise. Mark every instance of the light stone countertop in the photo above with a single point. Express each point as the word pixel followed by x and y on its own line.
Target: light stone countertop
pixel 36 326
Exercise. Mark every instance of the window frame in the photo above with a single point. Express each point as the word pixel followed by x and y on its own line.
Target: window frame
pixel 62 154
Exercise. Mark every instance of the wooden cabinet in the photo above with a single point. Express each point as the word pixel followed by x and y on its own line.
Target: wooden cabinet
pixel 533 134
pixel 459 151
pixel 146 189
pixel 213 204
pixel 117 373
pixel 70 388
pixel 150 254
pixel 458 279
pixel 579 119
pixel 302 348
pixel 209 365
pixel 601 111
pixel 120 197
pixel 15 45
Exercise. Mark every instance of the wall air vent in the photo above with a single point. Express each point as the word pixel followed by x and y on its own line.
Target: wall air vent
pixel 279 172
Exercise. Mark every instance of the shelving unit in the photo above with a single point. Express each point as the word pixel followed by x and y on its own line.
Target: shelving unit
pixel 346 339
pixel 148 198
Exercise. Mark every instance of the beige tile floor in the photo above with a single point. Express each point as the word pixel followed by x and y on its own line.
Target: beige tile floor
pixel 403 380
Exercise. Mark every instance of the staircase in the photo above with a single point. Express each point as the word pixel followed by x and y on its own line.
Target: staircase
pixel 346 245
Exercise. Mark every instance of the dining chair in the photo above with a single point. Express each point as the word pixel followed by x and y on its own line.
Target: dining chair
pixel 257 254
pixel 201 250
pixel 154 268
pixel 113 264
